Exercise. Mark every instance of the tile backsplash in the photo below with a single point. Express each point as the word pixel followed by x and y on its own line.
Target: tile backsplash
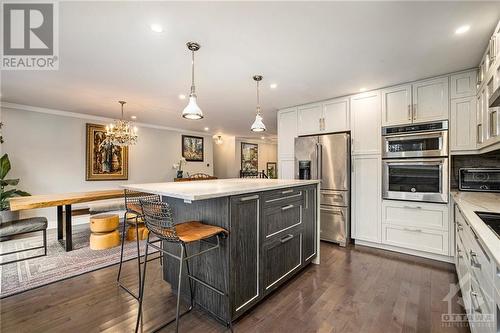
pixel 488 160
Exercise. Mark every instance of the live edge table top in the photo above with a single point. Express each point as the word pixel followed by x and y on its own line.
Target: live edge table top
pixel 51 200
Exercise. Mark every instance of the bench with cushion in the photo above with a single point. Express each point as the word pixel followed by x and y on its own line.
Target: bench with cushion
pixel 20 227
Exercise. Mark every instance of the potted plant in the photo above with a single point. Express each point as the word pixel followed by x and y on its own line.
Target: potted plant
pixel 178 166
pixel 5 194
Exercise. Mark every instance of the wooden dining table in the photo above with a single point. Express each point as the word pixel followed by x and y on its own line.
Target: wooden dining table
pixel 63 202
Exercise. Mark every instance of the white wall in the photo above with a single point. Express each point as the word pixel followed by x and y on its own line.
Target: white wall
pixel 47 153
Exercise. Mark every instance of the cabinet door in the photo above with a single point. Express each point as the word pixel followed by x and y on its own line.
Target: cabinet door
pixel 430 100
pixel 309 224
pixel 479 119
pixel 492 113
pixel 245 248
pixel 309 119
pixel 365 123
pixel 463 84
pixel 463 124
pixel 396 105
pixel 366 197
pixel 336 115
pixel 287 131
pixel 286 169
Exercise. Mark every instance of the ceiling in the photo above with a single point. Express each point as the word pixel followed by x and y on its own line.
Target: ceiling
pixel 312 51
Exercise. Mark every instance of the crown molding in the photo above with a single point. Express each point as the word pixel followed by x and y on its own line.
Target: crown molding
pixel 62 113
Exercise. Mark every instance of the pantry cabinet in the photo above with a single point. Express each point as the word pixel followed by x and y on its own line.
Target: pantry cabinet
pixel 366 123
pixel 366 197
pixel 463 84
pixel 287 132
pixel 463 124
pixel 325 117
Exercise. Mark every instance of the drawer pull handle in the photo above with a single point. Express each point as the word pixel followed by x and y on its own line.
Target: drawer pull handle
pixel 286 238
pixel 473 261
pixel 287 207
pixel 413 230
pixel 473 299
pixel 413 207
pixel 253 197
pixel 287 192
pixel 459 227
pixel 332 195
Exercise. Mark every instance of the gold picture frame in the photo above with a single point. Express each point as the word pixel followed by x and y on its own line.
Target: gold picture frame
pixel 104 161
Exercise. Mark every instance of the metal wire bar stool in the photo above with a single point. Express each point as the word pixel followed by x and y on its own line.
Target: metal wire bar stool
pixel 159 220
pixel 133 216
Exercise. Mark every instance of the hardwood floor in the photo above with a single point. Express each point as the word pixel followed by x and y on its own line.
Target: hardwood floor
pixel 357 289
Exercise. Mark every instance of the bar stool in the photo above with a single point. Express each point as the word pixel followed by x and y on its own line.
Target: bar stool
pixel 132 218
pixel 159 221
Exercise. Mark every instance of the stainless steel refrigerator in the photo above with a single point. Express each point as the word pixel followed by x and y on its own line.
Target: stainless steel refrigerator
pixel 328 158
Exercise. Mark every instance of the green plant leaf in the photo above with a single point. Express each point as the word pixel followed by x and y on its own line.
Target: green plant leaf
pixel 11 182
pixel 4 166
pixel 7 194
pixel 22 193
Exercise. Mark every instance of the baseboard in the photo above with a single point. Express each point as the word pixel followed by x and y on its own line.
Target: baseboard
pixel 427 255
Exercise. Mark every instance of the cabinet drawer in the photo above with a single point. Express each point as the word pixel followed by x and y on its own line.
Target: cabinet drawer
pixel 420 239
pixel 481 299
pixel 282 196
pixel 278 218
pixel 281 257
pixel 421 215
pixel 480 261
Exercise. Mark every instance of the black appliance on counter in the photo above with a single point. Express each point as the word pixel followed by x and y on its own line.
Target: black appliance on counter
pixel 479 179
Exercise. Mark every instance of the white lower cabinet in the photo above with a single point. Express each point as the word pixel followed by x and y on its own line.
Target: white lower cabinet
pixel 366 197
pixel 417 226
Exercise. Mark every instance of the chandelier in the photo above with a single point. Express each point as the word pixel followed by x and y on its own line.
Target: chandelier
pixel 121 133
pixel 258 124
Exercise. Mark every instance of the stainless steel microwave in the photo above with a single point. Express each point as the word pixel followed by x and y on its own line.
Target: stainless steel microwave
pixel 415 179
pixel 479 179
pixel 420 140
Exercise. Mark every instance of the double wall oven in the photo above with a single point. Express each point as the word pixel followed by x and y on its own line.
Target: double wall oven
pixel 415 162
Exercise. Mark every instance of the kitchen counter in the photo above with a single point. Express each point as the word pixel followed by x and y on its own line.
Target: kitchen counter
pixel 209 189
pixel 273 227
pixel 470 202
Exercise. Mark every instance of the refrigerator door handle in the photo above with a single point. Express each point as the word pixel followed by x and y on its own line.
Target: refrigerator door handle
pixel 319 154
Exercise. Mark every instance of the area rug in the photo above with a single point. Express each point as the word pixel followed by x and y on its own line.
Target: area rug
pixel 58 264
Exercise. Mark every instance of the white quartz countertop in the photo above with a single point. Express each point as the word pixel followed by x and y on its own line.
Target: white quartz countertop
pixel 208 189
pixel 470 202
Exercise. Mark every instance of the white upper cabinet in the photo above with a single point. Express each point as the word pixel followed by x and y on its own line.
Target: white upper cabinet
pixel 336 115
pixel 326 117
pixel 310 119
pixel 287 131
pixel 430 100
pixel 366 123
pixel 396 105
pixel 463 124
pixel 463 84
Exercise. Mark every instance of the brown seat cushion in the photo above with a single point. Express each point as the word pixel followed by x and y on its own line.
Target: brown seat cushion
pixel 194 231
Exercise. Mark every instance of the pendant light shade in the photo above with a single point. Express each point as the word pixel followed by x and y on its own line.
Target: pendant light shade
pixel 192 110
pixel 258 124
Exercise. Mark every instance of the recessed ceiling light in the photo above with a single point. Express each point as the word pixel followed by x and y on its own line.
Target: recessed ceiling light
pixel 181 96
pixel 362 89
pixel 273 85
pixel 156 28
pixel 133 117
pixel 206 128
pixel 262 137
pixel 462 29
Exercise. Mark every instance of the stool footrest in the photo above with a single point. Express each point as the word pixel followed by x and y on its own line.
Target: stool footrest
pixel 218 291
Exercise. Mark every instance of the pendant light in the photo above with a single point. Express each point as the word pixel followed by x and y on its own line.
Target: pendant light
pixel 258 125
pixel 192 110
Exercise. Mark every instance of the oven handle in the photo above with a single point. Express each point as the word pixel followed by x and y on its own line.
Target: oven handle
pixel 420 161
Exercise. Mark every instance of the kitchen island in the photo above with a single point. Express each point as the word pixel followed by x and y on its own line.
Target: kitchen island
pixel 273 229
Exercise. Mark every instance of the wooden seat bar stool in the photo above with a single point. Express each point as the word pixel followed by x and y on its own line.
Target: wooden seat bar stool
pixel 159 221
pixel 132 218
